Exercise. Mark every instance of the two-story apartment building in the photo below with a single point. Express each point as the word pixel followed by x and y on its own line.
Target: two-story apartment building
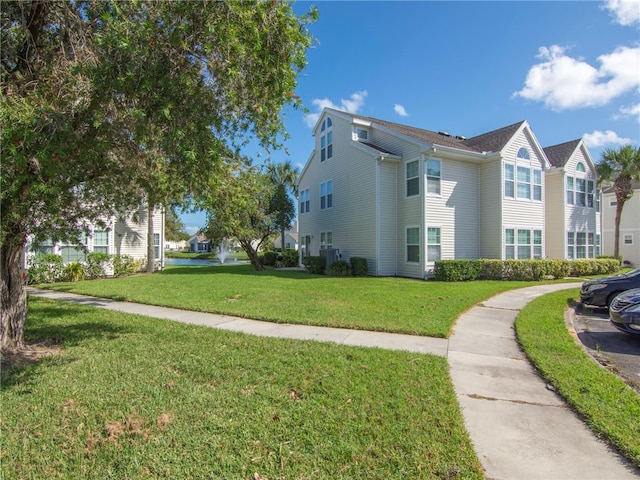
pixel 404 197
pixel 572 203
pixel 629 246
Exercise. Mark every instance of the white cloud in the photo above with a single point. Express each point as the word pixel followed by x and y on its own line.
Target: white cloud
pixel 351 105
pixel 192 229
pixel 625 12
pixel 600 139
pixel 632 111
pixel 562 82
pixel 400 110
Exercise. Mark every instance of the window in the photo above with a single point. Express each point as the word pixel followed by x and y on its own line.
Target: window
pixel 326 195
pixel 581 245
pixel 413 245
pixel 509 189
pixel 524 243
pixel 326 240
pixel 590 193
pixel 524 182
pixel 433 176
pixel 597 245
pixel 101 241
pixel 44 247
pixel 537 185
pixel 627 239
pixel 433 244
pixel 326 140
pixel 537 244
pixel 523 153
pixel 580 167
pixel 413 179
pixel 362 134
pixel 571 249
pixel 590 244
pixel 581 192
pixel 304 201
pixel 73 252
pixel 156 245
pixel 570 200
pixel 509 244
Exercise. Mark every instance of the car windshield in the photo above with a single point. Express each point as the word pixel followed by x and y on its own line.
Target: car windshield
pixel 632 273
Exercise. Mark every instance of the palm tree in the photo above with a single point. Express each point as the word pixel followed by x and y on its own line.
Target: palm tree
pixel 620 168
pixel 283 176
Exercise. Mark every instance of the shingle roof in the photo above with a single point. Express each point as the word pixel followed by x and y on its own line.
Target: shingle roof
pixel 559 154
pixel 487 142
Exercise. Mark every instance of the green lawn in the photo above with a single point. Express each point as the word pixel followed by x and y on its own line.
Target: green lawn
pixel 135 397
pixel 610 407
pixel 291 296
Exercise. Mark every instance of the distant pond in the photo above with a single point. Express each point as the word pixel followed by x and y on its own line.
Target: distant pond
pixel 189 262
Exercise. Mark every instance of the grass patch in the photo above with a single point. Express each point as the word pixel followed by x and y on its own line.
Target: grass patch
pixel 610 406
pixel 368 303
pixel 134 397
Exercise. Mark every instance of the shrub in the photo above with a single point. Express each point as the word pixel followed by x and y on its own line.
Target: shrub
pixel 314 264
pixel 338 268
pixel 457 270
pixel 44 268
pixel 290 258
pixel 97 264
pixel 269 258
pixel 359 266
pixel 124 265
pixel 73 272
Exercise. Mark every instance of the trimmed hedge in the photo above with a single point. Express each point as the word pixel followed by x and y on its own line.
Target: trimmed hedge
pixel 315 264
pixel 359 266
pixel 527 270
pixel 339 268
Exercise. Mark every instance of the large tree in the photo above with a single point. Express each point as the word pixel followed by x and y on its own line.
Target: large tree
pixel 619 168
pixel 283 176
pixel 107 104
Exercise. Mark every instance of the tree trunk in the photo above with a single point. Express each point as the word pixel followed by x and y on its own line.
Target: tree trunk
pixel 616 233
pixel 13 295
pixel 151 262
pixel 252 254
pixel 282 239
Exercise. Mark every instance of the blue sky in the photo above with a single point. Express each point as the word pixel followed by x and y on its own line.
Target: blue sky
pixel 571 69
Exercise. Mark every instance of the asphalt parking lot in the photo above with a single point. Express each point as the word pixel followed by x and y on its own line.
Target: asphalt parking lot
pixel 616 350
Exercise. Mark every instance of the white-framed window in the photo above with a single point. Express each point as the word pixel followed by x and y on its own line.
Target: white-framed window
pixel 570 191
pixel 413 244
pixel 591 244
pixel 537 244
pixel 413 178
pixel 523 189
pixel 590 193
pixel 597 252
pixel 509 244
pixel 509 180
pixel 156 245
pixel 581 244
pixel 326 240
pixel 326 194
pixel 523 153
pixel 101 241
pixel 326 140
pixel 581 192
pixel 524 243
pixel 74 253
pixel 434 176
pixel 433 244
pixel 627 239
pixel 44 247
pixel 537 185
pixel 571 245
pixel 580 167
pixel 362 134
pixel 304 201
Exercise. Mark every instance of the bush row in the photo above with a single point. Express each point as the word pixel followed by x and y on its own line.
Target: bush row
pixel 528 270
pixel 289 258
pixel 50 268
pixel 356 266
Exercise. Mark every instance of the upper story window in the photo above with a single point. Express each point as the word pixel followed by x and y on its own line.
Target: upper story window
pixel 581 192
pixel 413 178
pixel 580 167
pixel 537 185
pixel 509 180
pixel 523 153
pixel 433 176
pixel 570 191
pixel 304 201
pixel 326 195
pixel 326 140
pixel 362 134
pixel 524 182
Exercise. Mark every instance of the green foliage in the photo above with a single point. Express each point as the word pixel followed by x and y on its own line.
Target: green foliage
pixel 521 270
pixel 44 268
pixel 359 266
pixel 457 270
pixel 338 268
pixel 269 258
pixel 73 272
pixel 290 258
pixel 125 265
pixel 97 264
pixel 315 264
pixel 174 229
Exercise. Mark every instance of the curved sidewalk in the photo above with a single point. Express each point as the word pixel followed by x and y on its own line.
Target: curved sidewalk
pixel 520 429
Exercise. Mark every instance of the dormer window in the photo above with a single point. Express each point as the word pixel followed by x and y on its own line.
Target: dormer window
pixel 362 134
pixel 326 140
pixel 580 167
pixel 523 153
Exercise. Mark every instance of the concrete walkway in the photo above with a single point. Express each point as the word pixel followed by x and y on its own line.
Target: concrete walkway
pixel 520 428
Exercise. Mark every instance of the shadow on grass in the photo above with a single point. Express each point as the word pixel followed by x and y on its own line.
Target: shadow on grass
pixel 243 269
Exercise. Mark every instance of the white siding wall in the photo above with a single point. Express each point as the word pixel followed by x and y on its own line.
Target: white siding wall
pixel 629 225
pixel 490 209
pixel 555 207
pixel 580 219
pixel 387 219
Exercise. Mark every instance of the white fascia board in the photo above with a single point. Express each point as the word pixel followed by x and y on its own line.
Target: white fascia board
pixel 375 153
pixel 440 151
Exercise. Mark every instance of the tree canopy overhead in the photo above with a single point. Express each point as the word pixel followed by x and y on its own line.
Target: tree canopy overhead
pixel 106 103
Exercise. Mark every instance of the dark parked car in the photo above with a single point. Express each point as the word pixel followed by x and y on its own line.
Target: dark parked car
pixel 624 311
pixel 600 292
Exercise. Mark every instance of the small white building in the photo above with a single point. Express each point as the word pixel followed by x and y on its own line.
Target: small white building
pixel 629 248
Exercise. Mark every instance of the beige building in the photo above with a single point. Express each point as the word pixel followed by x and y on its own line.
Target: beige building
pixel 629 248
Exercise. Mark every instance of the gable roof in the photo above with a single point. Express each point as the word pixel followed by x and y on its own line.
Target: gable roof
pixel 493 141
pixel 558 155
